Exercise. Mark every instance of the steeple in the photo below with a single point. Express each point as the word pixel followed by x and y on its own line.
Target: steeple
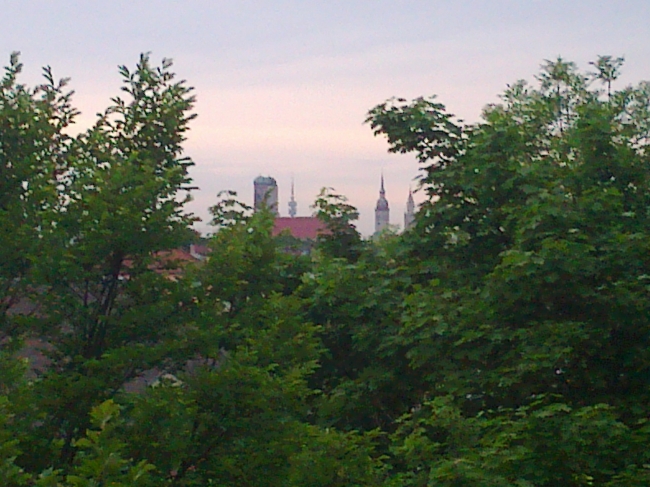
pixel 382 211
pixel 409 215
pixel 293 206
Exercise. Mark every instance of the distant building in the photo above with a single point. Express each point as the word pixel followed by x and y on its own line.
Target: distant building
pixel 300 227
pixel 297 233
pixel 409 214
pixel 266 193
pixel 382 211
pixel 293 205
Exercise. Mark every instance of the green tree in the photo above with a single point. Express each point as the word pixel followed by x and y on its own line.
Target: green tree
pixel 229 339
pixel 342 238
pixel 33 154
pixel 529 309
pixel 363 373
pixel 240 411
pixel 98 207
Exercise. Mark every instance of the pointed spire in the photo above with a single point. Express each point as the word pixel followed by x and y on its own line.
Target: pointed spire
pixel 409 214
pixel 382 211
pixel 410 204
pixel 293 205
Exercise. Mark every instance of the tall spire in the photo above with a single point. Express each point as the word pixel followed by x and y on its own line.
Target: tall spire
pixel 409 215
pixel 293 205
pixel 382 211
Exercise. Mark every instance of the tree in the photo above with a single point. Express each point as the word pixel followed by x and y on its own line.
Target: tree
pixel 342 238
pixel 92 211
pixel 502 341
pixel 33 154
pixel 228 339
pixel 529 313
pixel 240 412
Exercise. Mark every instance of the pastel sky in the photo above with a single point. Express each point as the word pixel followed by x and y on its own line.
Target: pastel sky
pixel 283 86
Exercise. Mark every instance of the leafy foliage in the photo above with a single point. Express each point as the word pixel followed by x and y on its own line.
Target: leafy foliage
pixel 342 239
pixel 502 341
pixel 533 303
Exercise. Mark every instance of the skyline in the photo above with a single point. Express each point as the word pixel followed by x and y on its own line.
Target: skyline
pixel 283 87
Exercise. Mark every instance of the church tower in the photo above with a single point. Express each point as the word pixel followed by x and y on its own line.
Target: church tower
pixel 266 193
pixel 409 215
pixel 382 212
pixel 293 205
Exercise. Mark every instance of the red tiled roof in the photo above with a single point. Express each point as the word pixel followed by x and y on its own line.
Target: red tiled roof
pixel 302 227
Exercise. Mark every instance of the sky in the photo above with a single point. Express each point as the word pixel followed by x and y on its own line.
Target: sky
pixel 283 87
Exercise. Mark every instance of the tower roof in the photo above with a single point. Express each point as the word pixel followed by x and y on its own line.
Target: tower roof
pixel 382 202
pixel 268 180
pixel 410 204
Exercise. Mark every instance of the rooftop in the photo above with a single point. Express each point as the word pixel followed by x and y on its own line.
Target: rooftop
pixel 302 227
